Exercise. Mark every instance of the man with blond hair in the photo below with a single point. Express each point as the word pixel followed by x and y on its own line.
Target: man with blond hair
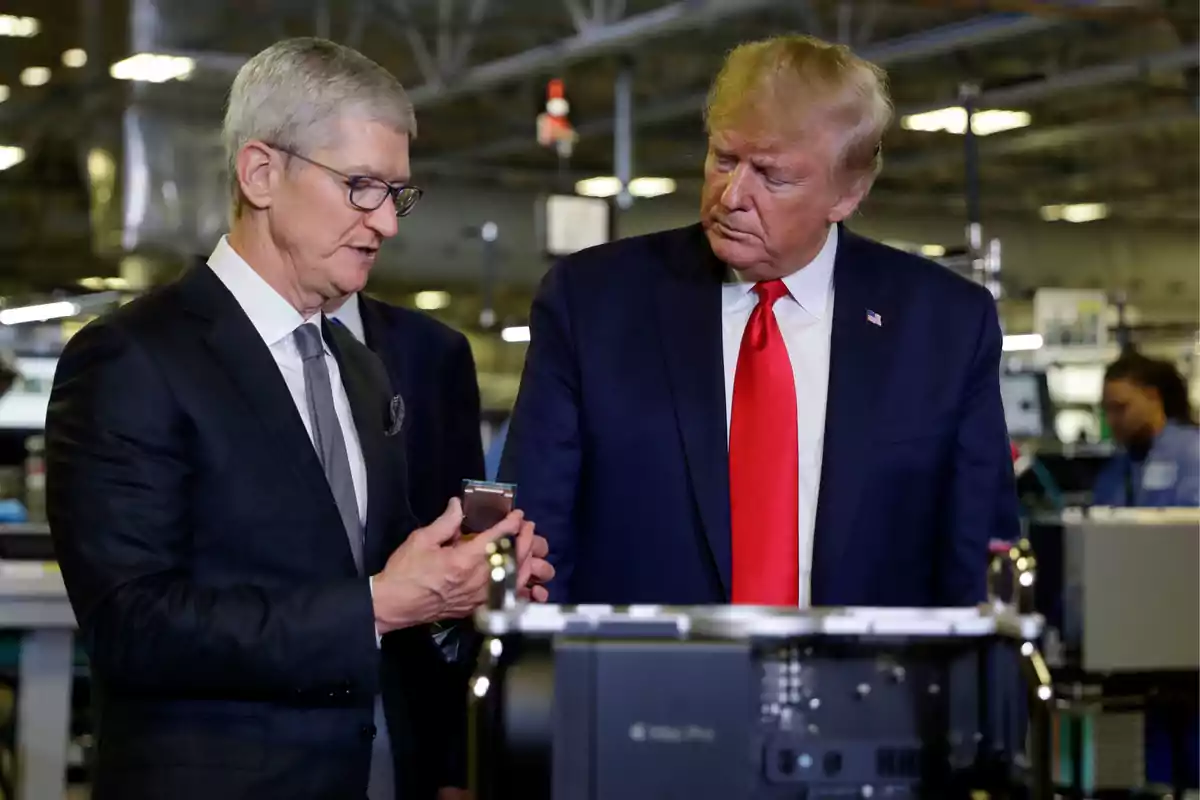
pixel 767 408
pixel 226 484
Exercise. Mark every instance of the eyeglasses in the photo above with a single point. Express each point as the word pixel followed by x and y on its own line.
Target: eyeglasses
pixel 368 193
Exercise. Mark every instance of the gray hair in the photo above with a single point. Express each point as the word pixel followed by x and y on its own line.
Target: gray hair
pixel 292 94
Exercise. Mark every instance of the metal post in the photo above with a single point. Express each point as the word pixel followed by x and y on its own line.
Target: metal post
pixel 487 314
pixel 968 94
pixel 623 132
pixel 43 714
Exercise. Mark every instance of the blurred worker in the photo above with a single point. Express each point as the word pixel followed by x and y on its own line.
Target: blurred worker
pixel 1146 405
pixel 430 365
pixel 765 407
pixel 226 481
pixel 1158 466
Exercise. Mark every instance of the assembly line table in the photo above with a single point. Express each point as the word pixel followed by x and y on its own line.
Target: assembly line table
pixel 33 601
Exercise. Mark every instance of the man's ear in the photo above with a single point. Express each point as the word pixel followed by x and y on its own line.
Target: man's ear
pixel 258 169
pixel 854 192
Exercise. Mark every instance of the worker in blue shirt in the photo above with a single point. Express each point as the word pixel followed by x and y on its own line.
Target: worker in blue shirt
pixel 1158 466
pixel 1146 405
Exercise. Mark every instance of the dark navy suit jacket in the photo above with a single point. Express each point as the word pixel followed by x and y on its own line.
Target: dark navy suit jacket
pixel 430 365
pixel 619 440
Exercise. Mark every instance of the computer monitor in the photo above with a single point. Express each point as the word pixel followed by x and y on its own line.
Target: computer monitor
pixel 1026 399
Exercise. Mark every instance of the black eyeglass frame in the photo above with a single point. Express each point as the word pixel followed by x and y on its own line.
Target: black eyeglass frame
pixel 404 196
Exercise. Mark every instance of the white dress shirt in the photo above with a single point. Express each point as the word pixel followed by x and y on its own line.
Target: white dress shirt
pixel 805 319
pixel 276 319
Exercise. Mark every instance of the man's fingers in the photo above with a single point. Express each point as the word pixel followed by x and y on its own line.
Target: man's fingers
pixel 524 541
pixel 539 594
pixel 508 526
pixel 446 527
pixel 541 547
pixel 540 570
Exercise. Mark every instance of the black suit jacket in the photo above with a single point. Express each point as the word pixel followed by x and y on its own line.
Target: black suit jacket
pixel 430 365
pixel 231 638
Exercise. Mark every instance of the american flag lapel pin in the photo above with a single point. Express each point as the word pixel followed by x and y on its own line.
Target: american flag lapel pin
pixel 874 318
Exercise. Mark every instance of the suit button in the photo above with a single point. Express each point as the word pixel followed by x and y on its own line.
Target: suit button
pixel 368 732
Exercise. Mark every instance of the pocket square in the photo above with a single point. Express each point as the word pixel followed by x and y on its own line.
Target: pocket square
pixel 395 415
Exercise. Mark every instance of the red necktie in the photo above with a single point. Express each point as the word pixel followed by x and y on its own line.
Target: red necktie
pixel 764 465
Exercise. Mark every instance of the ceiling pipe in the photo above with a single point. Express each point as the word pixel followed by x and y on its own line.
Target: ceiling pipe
pixel 924 44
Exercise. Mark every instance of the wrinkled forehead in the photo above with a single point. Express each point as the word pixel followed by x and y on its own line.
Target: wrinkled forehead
pixel 361 146
pixel 809 145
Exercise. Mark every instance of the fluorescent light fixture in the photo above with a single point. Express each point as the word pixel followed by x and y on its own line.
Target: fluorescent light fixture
pixel 933 250
pixel 35 76
pixel 1074 212
pixel 18 27
pixel 954 120
pixel 114 284
pixel 38 313
pixel 1022 342
pixel 610 186
pixel 11 156
pixel 432 301
pixel 74 58
pixel 602 186
pixel 5 92
pixel 651 187
pixel 153 68
pixel 515 333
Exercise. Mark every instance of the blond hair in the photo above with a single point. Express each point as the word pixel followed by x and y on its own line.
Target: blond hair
pixel 774 88
pixel 292 95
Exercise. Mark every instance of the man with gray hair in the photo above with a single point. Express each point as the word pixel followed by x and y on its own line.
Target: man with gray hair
pixel 226 483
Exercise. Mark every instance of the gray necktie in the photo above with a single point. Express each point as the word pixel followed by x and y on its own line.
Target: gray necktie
pixel 331 448
pixel 327 434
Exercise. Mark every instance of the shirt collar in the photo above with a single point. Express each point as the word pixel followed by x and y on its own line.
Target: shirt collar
pixel 809 286
pixel 272 316
pixel 350 315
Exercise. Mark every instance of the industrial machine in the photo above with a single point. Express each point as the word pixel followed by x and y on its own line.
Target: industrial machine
pixel 729 702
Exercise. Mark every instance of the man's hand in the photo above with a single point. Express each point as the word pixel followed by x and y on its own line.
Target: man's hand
pixel 533 569
pixel 425 581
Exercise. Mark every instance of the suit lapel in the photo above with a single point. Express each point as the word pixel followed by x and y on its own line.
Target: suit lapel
pixel 688 309
pixel 859 358
pixel 377 336
pixel 240 350
pixel 367 406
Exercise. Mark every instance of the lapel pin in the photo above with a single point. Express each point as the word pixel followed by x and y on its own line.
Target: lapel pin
pixel 874 318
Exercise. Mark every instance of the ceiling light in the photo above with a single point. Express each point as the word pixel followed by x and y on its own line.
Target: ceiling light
pixel 432 301
pixel 153 68
pixel 38 313
pixel 1019 342
pixel 610 186
pixel 35 76
pixel 4 92
pixel 933 250
pixel 651 187
pixel 1074 212
pixel 19 27
pixel 515 333
pixel 603 186
pixel 74 58
pixel 954 120
pixel 11 156
pixel 112 284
